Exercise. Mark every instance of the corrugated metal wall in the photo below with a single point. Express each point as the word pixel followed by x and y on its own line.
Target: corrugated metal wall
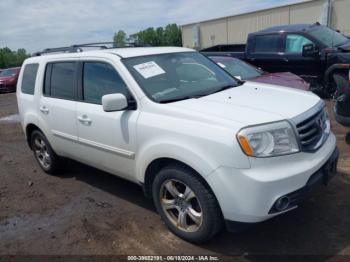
pixel 341 16
pixel 235 29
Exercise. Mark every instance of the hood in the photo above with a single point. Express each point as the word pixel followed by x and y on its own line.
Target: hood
pixel 345 47
pixel 252 103
pixel 286 79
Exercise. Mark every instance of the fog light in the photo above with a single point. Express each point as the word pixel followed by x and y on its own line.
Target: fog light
pixel 282 203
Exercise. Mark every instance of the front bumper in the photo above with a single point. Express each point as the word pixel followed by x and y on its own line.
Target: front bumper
pixel 321 177
pixel 248 195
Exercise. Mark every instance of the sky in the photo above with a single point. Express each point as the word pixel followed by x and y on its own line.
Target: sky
pixel 38 24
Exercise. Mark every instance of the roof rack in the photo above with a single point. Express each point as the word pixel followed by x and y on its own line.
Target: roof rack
pixel 79 48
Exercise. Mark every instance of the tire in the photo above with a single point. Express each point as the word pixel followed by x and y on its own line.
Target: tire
pixel 340 84
pixel 47 159
pixel 201 215
pixel 347 138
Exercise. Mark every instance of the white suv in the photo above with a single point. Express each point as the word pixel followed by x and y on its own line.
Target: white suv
pixel 209 149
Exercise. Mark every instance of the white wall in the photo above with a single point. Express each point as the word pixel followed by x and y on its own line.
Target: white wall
pixel 341 16
pixel 235 29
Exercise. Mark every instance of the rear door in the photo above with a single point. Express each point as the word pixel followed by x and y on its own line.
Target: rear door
pixel 107 139
pixel 57 106
pixel 265 51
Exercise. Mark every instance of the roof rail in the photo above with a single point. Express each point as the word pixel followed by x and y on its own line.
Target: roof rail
pixel 79 47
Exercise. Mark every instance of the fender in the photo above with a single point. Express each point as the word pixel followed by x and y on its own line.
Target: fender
pixel 32 118
pixel 182 153
pixel 331 70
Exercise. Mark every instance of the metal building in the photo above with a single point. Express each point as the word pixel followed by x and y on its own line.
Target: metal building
pixel 234 29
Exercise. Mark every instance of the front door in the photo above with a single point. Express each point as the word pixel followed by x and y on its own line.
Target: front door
pixel 108 139
pixel 310 68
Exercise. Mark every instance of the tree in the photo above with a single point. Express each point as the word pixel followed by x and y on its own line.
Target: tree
pixel 172 35
pixel 148 36
pixel 169 35
pixel 160 36
pixel 9 58
pixel 119 38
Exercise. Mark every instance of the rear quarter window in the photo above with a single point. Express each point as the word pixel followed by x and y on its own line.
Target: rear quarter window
pixel 28 80
pixel 267 43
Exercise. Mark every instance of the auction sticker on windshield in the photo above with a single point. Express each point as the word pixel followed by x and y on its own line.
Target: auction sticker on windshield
pixel 149 69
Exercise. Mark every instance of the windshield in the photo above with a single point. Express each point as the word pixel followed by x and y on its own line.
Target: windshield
pixel 238 68
pixel 328 37
pixel 8 72
pixel 177 76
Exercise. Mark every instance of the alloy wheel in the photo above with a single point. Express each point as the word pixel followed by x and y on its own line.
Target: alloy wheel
pixel 42 153
pixel 181 205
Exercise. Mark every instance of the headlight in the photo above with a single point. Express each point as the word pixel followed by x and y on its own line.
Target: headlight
pixel 268 140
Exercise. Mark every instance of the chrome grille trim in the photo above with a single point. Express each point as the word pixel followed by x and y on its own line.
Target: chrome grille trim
pixel 312 128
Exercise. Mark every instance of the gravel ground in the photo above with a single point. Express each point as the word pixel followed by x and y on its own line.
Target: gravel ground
pixel 89 212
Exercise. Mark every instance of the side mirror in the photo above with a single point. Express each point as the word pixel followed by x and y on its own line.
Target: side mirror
pixel 309 50
pixel 114 102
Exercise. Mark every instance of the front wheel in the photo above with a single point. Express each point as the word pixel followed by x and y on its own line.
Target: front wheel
pixel 187 207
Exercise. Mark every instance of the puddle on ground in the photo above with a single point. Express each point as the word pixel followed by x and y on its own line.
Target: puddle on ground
pixel 15 118
pixel 22 225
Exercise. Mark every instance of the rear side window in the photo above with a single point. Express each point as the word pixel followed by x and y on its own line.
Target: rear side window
pixel 267 43
pixel 28 79
pixel 60 80
pixel 100 79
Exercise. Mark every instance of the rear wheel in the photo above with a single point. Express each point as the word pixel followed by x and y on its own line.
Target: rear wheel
pixel 186 205
pixel 43 153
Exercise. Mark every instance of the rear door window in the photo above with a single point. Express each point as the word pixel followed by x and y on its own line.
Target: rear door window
pixel 28 79
pixel 267 43
pixel 63 80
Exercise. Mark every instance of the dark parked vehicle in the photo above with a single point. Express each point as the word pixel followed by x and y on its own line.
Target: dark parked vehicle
pixel 245 71
pixel 312 51
pixel 8 79
pixel 342 107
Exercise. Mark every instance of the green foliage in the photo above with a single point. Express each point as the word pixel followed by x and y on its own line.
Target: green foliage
pixel 169 35
pixel 172 35
pixel 119 38
pixel 9 58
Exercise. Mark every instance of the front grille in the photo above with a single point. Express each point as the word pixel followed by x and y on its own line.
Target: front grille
pixel 313 130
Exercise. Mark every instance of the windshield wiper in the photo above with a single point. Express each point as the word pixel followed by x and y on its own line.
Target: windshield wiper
pixel 179 99
pixel 222 88
pixel 175 99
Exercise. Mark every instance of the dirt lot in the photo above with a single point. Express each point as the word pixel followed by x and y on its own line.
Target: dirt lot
pixel 86 211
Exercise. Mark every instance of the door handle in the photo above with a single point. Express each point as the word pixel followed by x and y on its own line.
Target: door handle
pixel 84 120
pixel 44 110
pixel 285 59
